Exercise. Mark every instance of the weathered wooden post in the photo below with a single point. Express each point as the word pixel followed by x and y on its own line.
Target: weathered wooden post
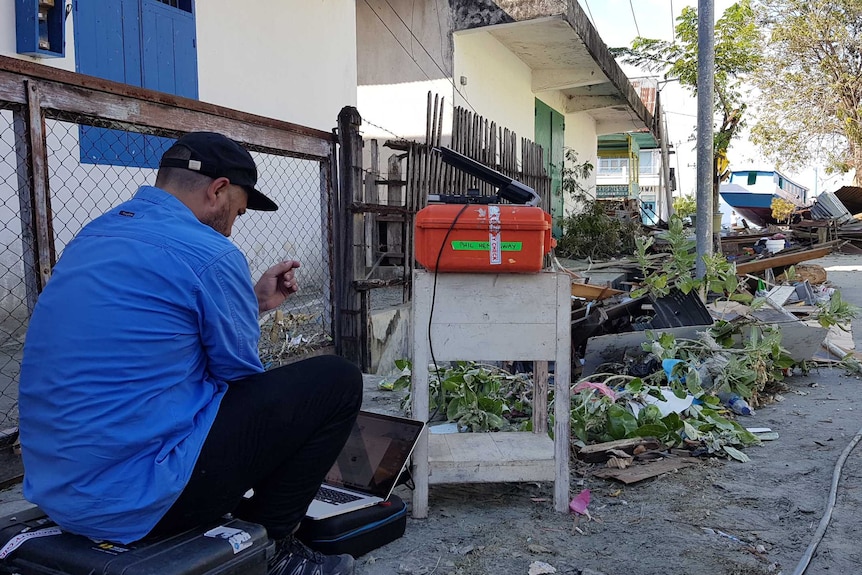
pixel 351 338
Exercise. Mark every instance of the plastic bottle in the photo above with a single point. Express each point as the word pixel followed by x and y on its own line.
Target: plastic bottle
pixel 736 404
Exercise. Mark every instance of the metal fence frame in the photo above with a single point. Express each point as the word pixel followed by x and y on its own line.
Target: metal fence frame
pixel 36 93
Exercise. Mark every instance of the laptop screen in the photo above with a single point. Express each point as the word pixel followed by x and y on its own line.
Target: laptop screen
pixel 375 453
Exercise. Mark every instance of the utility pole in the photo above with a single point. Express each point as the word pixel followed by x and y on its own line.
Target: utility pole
pixel 705 154
pixel 665 156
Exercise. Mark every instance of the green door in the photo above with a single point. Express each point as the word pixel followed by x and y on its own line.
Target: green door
pixel 550 131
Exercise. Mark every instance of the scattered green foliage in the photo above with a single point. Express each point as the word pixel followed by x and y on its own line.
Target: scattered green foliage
pixel 593 233
pixel 474 396
pixel 738 359
pixel 598 418
pixel 675 271
pixel 486 398
pixel 836 312
pixel 574 176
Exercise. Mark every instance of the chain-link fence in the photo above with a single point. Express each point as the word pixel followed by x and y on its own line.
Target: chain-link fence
pixel 93 165
pixel 13 306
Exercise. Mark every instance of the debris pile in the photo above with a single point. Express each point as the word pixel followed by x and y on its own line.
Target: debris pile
pixel 657 362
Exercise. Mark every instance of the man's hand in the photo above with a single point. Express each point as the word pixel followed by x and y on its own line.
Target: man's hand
pixel 275 285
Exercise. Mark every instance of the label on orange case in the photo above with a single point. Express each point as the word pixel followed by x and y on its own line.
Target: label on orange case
pixel 468 246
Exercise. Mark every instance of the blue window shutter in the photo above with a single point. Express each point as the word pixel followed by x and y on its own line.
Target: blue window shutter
pixel 169 59
pixel 115 40
pixel 104 32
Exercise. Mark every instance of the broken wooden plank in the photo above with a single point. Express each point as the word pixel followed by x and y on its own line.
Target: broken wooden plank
pixel 645 471
pixel 594 292
pixel 598 452
pixel 783 260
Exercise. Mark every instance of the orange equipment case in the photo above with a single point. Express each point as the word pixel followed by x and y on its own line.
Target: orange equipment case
pixel 492 238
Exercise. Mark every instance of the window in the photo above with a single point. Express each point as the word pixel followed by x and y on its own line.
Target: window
pixel 185 5
pixel 613 166
pixel 648 163
pixel 752 178
pixel 146 43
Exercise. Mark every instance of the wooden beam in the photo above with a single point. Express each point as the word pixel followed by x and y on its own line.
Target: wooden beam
pixel 783 260
pixel 25 202
pixel 74 104
pixel 594 292
pixel 40 195
pixel 352 334
pixel 328 197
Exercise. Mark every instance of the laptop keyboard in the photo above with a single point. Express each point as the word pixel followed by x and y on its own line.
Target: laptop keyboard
pixel 334 497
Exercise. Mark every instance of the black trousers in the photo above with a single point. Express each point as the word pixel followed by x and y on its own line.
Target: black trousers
pixel 278 433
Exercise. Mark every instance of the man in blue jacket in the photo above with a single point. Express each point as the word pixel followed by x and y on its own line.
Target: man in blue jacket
pixel 144 407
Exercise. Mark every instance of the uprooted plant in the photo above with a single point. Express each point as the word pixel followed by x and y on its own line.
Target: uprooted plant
pixel 675 271
pixel 836 312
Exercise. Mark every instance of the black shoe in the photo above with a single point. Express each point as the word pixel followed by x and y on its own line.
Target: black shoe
pixel 292 557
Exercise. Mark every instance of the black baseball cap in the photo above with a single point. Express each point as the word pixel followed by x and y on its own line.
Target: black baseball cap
pixel 217 156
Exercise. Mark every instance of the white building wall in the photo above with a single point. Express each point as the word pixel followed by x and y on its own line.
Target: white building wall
pixel 498 84
pixel 581 137
pixel 293 61
pixel 396 71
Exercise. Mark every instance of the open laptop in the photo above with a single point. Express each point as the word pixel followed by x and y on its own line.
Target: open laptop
pixel 368 467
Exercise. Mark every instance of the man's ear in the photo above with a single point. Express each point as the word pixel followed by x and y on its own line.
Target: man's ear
pixel 217 187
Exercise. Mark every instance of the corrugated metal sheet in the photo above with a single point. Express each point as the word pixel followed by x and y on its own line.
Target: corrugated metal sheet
pixel 828 207
pixel 851 197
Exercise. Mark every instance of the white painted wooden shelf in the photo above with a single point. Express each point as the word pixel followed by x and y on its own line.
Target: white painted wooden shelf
pixel 493 317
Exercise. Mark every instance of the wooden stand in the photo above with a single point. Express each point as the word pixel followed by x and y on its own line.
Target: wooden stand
pixel 494 317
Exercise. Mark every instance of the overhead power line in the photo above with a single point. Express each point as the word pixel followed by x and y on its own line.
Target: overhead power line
pixel 587 2
pixel 421 45
pixel 403 47
pixel 635 18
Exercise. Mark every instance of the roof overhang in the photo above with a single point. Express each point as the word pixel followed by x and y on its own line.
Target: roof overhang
pixel 565 53
pixel 644 141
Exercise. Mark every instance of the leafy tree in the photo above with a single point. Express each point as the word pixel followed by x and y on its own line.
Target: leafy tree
pixel 811 83
pixel 737 54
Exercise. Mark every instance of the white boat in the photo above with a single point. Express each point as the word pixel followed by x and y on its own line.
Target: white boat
pixel 750 194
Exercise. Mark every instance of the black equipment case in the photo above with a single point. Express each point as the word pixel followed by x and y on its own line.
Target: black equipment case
pixel 230 547
pixel 357 532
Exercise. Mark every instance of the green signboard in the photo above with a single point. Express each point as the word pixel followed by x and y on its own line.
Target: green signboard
pixel 612 191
